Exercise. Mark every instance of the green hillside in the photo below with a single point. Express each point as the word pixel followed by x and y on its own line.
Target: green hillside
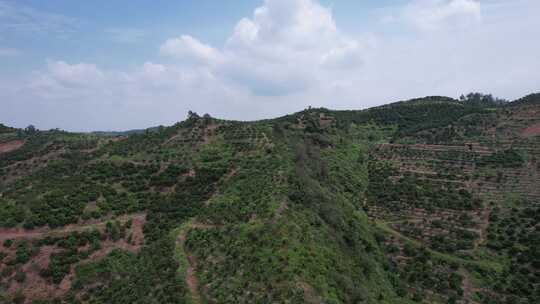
pixel 430 200
pixel 5 129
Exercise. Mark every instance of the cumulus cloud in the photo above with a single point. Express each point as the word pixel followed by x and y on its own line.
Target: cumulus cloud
pixel 85 97
pixel 283 48
pixel 77 82
pixel 81 74
pixel 190 49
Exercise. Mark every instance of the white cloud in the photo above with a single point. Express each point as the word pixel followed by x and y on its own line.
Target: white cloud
pixel 77 82
pixel 293 26
pixel 62 81
pixel 290 54
pixel 285 47
pixel 77 74
pixel 86 97
pixel 189 49
pixel 432 15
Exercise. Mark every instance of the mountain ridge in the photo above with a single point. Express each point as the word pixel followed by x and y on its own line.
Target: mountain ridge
pixel 408 202
pixel 533 97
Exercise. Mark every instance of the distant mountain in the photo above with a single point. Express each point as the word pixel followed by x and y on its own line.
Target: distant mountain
pixel 432 200
pixel 124 133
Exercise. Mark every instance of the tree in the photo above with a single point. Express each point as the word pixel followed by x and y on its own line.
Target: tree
pixel 207 119
pixel 193 115
pixel 30 129
pixel 481 99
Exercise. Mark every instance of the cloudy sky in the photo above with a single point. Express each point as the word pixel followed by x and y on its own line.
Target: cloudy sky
pixel 117 65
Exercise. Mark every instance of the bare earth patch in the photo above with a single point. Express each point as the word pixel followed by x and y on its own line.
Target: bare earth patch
pixel 20 233
pixel 533 130
pixel 10 146
pixel 190 275
pixel 191 280
pixel 35 286
pixel 310 296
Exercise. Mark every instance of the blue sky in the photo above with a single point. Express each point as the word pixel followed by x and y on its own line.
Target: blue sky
pixel 89 65
pixel 119 33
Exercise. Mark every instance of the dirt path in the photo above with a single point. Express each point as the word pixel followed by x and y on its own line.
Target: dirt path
pixel 18 233
pixel 192 281
pixel 190 276
pixel 484 224
pixel 468 288
pixel 187 261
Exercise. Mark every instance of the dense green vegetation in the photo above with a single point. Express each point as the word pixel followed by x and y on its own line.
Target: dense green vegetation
pixel 506 159
pixel 123 277
pixel 422 273
pixel 417 115
pixel 410 192
pixel 319 206
pixel 514 233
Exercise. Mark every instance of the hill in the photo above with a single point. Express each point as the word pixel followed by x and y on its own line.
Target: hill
pixel 6 129
pixel 430 200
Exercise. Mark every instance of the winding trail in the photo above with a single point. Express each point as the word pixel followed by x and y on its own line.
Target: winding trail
pixel 187 261
pixel 192 281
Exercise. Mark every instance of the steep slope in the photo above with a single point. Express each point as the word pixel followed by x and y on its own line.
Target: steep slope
pixel 232 213
pixel 393 204
pixel 467 195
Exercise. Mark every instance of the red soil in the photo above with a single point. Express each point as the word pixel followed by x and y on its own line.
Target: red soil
pixel 11 145
pixel 35 287
pixel 191 280
pixel 20 233
pixel 137 240
pixel 533 130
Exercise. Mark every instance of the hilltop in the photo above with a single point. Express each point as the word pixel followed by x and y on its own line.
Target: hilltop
pixel 429 200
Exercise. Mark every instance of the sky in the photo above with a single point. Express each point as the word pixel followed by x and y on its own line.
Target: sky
pixel 131 64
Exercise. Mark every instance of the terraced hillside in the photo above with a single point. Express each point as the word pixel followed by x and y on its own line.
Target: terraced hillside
pixel 469 200
pixel 431 200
